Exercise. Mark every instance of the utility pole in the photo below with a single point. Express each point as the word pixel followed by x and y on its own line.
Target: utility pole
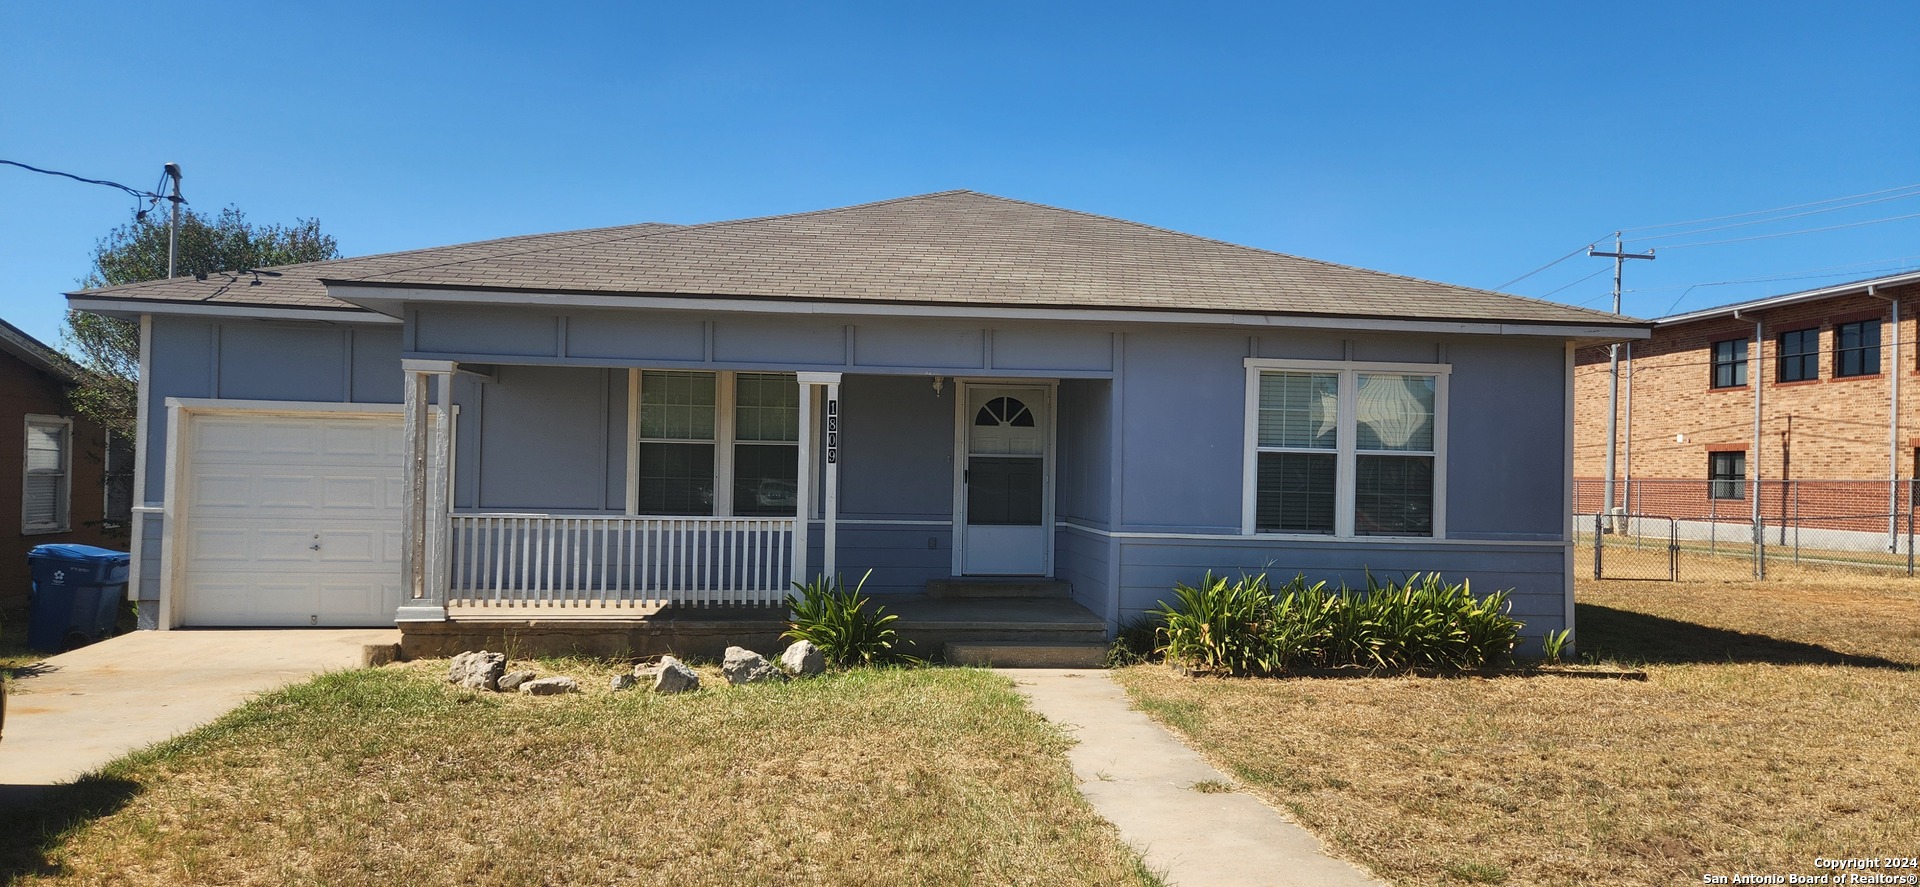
pixel 173 228
pixel 1613 360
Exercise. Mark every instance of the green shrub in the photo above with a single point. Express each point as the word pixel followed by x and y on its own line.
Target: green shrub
pixel 1217 625
pixel 1555 645
pixel 1301 626
pixel 1422 622
pixel 838 622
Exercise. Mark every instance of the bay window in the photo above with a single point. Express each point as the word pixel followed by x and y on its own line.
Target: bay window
pixel 1344 449
pixel 721 444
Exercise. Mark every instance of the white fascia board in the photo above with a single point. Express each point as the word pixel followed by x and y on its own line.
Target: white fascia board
pixel 132 309
pixel 370 296
pixel 281 407
pixel 1844 289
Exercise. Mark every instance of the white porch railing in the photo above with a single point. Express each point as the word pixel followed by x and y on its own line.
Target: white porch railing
pixel 605 562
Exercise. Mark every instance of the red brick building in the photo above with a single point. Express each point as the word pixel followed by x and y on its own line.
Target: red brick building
pixel 1814 385
pixel 53 464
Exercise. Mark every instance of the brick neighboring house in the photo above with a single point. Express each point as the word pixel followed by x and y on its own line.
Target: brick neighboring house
pixel 54 488
pixel 1832 371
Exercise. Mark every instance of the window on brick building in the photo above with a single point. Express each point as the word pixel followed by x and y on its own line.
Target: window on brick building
pixel 1730 363
pixel 1856 349
pixel 1727 473
pixel 1800 355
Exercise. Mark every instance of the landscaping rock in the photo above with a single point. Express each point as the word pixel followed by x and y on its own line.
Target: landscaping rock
pixel 674 677
pixel 743 666
pixel 512 680
pixel 624 682
pixel 550 686
pixel 803 659
pixel 477 669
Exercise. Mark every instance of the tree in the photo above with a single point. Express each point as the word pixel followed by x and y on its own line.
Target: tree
pixel 107 349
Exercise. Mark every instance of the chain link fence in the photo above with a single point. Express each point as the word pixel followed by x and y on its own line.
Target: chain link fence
pixel 1704 530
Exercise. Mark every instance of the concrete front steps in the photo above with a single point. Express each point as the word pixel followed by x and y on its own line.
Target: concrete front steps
pixel 976 588
pixel 1027 654
pixel 1007 623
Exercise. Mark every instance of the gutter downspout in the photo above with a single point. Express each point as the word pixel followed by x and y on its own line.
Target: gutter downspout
pixel 1753 461
pixel 1626 442
pixel 1893 425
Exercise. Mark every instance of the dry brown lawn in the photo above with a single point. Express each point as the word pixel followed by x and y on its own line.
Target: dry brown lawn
pixel 390 776
pixel 1777 726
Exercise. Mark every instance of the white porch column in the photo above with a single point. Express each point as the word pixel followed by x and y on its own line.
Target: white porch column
pixel 829 529
pixel 429 451
pixel 803 483
pixel 830 479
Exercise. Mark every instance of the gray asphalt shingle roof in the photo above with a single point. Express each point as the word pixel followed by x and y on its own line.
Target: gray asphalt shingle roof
pixel 299 286
pixel 949 248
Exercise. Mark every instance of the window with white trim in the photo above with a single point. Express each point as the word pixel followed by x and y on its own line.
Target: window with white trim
pixel 723 444
pixel 47 480
pixel 1343 449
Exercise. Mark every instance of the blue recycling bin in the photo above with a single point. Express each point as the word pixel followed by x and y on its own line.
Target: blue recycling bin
pixel 77 591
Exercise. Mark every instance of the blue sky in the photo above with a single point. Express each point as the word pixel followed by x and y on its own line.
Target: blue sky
pixel 1467 143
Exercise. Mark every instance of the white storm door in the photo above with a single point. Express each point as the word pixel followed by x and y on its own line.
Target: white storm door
pixel 1006 491
pixel 292 520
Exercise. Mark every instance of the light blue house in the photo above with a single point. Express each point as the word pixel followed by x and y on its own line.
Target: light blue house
pixel 948 385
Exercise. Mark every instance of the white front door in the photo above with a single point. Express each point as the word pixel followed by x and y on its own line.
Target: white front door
pixel 1005 501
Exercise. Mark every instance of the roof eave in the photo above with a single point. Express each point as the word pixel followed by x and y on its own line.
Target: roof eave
pixel 1781 301
pixel 388 299
pixel 33 352
pixel 131 309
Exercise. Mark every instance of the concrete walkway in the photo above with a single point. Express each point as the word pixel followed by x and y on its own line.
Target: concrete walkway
pixel 1141 778
pixel 77 711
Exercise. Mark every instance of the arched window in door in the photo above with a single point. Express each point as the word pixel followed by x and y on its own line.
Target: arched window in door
pixel 1004 411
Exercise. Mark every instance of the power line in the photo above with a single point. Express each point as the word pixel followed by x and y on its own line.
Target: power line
pixel 151 197
pixel 1768 221
pixel 1762 212
pixel 1791 233
pixel 1796 274
pixel 55 172
pixel 1898 193
pixel 1683 295
pixel 1575 283
pixel 1576 251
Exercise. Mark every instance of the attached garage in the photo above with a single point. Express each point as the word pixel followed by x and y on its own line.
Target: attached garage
pixel 283 516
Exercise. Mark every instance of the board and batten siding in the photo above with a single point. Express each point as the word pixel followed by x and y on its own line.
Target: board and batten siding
pixel 682 340
pixel 1150 447
pixel 250 359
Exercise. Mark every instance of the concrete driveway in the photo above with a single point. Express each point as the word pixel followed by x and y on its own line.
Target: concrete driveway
pixel 77 711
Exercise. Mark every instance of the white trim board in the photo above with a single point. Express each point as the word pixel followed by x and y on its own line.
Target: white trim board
pixel 358 294
pixel 286 407
pixel 128 307
pixel 1261 538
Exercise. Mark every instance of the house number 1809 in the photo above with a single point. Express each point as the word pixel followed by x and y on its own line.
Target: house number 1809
pixel 833 430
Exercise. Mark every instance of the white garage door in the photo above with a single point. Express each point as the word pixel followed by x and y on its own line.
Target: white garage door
pixel 292 520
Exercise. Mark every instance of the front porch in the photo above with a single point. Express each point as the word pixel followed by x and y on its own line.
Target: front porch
pixel 931 498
